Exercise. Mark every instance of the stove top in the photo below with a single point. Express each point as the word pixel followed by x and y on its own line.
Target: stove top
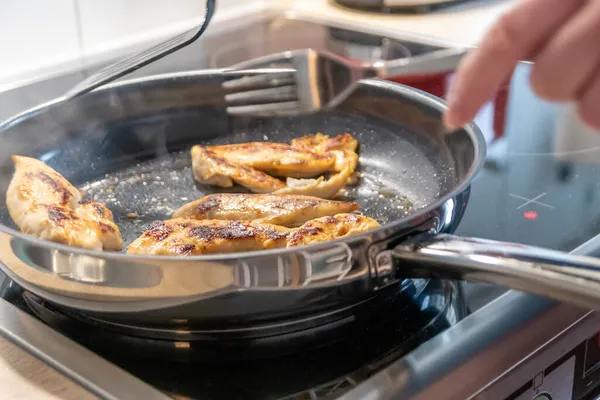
pixel 321 362
pixel 539 186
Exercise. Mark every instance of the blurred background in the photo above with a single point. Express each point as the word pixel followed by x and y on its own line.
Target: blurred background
pixel 43 35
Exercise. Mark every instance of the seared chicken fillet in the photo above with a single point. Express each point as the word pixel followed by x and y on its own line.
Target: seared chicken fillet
pixel 320 187
pixel 289 211
pixel 346 161
pixel 323 143
pixel 276 158
pixel 330 228
pixel 195 237
pixel 211 169
pixel 342 146
pixel 246 164
pixel 44 204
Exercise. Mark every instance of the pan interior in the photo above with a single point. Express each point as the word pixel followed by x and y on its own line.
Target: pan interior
pixel 138 164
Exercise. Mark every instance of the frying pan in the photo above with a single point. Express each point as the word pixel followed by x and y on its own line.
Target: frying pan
pixel 127 145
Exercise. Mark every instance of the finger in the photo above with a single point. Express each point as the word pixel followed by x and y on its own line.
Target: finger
pixel 589 103
pixel 570 58
pixel 512 38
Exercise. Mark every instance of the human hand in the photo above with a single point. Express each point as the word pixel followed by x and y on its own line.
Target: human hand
pixel 561 37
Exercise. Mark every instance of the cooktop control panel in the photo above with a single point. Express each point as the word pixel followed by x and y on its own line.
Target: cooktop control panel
pixel 573 376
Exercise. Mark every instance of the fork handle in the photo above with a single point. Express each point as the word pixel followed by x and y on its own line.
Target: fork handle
pixel 436 62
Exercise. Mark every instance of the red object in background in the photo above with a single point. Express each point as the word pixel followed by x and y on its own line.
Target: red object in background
pixel 500 106
pixel 530 214
pixel 437 85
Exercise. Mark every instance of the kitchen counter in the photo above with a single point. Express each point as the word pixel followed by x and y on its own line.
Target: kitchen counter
pixel 23 376
pixel 461 24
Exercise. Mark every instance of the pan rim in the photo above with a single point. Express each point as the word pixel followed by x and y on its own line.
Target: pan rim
pixel 418 95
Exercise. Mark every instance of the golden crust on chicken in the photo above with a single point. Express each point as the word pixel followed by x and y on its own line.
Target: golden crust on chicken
pixel 289 211
pixel 323 188
pixel 211 169
pixel 343 147
pixel 195 237
pixel 277 159
pixel 247 164
pixel 44 204
pixel 330 228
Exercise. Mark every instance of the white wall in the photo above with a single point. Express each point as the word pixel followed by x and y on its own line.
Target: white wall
pixel 40 35
pixel 35 33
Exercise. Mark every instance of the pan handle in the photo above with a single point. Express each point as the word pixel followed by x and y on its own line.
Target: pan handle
pixel 554 274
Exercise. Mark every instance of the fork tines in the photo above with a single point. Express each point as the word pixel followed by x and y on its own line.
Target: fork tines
pixel 262 92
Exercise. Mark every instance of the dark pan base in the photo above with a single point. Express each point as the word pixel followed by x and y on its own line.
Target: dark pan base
pixel 406 308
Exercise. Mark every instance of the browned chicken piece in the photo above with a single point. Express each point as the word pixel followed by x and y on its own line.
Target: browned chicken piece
pixel 320 187
pixel 195 237
pixel 211 169
pixel 342 146
pixel 344 149
pixel 44 204
pixel 276 158
pixel 289 211
pixel 330 228
pixel 224 165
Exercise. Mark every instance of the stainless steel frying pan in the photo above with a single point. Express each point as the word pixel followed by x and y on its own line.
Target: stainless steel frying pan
pixel 127 145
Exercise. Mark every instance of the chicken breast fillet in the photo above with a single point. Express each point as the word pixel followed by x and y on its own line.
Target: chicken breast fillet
pixel 346 161
pixel 240 163
pixel 342 146
pixel 323 188
pixel 277 158
pixel 211 169
pixel 330 228
pixel 195 237
pixel 288 211
pixel 191 237
pixel 44 204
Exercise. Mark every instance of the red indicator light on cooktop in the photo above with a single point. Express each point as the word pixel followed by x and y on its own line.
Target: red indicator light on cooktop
pixel 530 214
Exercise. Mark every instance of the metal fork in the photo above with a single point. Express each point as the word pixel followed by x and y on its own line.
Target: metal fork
pixel 137 61
pixel 320 79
